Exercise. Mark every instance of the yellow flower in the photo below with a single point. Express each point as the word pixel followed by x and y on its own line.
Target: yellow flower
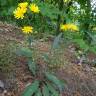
pixel 66 1
pixel 20 11
pixel 94 28
pixel 27 29
pixel 34 8
pixel 23 5
pixel 63 27
pixel 71 27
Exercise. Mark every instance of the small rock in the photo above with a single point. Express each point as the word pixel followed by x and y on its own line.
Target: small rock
pixel 1 84
pixel 5 91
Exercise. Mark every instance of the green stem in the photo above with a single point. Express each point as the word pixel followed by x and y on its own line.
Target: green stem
pixel 60 3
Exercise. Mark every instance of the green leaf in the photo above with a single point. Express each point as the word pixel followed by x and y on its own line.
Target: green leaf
pixel 54 80
pixel 81 43
pixel 93 49
pixel 46 57
pixel 32 66
pixel 30 39
pixel 24 52
pixel 31 89
pixel 3 3
pixel 45 91
pixel 48 10
pixel 57 41
pixel 52 89
pixel 10 10
pixel 38 93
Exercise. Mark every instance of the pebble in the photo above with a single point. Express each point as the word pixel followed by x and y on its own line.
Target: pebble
pixel 1 84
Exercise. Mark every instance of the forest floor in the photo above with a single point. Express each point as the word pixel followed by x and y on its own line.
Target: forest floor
pixel 80 80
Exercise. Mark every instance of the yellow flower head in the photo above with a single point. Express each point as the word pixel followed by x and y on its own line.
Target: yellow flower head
pixel 66 27
pixel 23 5
pixel 66 1
pixel 63 27
pixel 34 8
pixel 20 11
pixel 27 29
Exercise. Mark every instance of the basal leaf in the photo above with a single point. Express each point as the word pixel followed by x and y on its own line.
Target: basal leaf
pixel 31 89
pixel 52 90
pixel 57 41
pixel 54 80
pixel 38 93
pixel 32 66
pixel 24 52
pixel 45 91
